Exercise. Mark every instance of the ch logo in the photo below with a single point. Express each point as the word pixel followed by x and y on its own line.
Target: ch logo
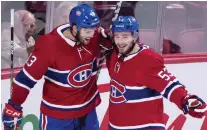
pixel 117 92
pixel 80 76
pixel 83 75
pixel 117 67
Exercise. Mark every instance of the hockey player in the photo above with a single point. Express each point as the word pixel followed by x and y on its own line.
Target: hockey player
pixel 139 81
pixel 66 58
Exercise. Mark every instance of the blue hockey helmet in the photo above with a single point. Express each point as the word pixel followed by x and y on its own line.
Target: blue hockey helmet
pixel 83 16
pixel 125 24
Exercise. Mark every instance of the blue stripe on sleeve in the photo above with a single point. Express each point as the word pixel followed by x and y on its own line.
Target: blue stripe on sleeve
pixel 23 79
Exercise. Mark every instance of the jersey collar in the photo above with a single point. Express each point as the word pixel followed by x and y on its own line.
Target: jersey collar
pixel 59 31
pixel 134 54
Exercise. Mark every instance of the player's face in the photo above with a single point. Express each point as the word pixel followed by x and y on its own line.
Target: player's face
pixel 86 34
pixel 124 41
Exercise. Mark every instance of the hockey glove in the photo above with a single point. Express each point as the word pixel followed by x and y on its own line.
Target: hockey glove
pixel 105 42
pixel 194 106
pixel 105 33
pixel 10 112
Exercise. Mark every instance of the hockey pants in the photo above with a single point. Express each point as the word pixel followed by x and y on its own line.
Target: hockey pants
pixel 88 122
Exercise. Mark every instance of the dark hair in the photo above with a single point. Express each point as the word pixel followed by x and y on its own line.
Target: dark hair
pixel 174 48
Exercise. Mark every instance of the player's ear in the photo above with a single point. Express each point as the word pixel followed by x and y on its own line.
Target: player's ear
pixel 136 36
pixel 74 28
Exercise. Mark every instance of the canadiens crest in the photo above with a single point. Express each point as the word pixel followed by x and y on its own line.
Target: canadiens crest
pixel 117 92
pixel 80 76
pixel 78 13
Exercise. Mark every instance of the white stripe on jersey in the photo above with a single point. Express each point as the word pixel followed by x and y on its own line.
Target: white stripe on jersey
pixel 135 87
pixel 163 91
pixel 58 83
pixel 46 121
pixel 21 85
pixel 61 84
pixel 137 126
pixel 133 55
pixel 144 99
pixel 29 76
pixel 71 106
pixel 70 42
pixel 58 71
pixel 94 73
pixel 173 89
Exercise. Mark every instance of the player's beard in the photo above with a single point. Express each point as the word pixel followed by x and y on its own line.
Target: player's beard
pixel 81 40
pixel 77 37
pixel 126 51
pixel 85 36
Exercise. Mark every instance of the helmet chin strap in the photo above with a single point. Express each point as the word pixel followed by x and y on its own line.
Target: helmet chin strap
pixel 77 36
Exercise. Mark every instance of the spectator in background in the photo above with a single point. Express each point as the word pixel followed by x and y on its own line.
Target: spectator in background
pixel 61 12
pixel 38 9
pixel 170 47
pixel 24 28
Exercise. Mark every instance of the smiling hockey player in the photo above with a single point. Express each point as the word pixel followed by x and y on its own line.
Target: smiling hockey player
pixel 139 81
pixel 66 58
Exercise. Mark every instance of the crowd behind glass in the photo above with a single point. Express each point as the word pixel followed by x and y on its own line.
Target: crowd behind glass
pixel 166 27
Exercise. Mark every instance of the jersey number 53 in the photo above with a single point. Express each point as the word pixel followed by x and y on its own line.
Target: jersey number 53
pixel 164 74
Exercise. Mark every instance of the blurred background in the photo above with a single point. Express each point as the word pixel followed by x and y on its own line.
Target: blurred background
pixel 167 27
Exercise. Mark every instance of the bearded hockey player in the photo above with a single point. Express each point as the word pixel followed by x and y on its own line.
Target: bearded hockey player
pixel 66 58
pixel 139 81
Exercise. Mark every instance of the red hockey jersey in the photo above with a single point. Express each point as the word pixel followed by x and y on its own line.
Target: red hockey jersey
pixel 138 84
pixel 69 70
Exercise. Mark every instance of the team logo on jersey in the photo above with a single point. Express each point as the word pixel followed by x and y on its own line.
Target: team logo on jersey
pixel 80 76
pixel 117 92
pixel 78 13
